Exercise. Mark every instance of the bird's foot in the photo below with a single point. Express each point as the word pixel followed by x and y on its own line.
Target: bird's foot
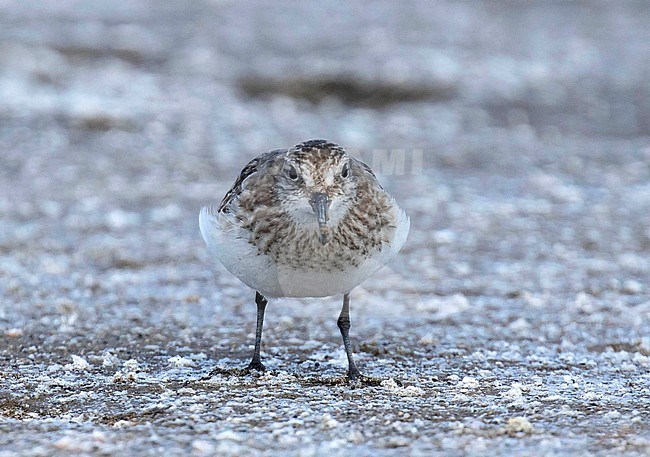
pixel 355 378
pixel 218 371
pixel 251 367
pixel 255 365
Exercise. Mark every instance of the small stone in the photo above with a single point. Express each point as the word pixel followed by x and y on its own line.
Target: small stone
pixel 632 287
pixel 108 359
pixel 131 364
pixel 590 396
pixel 428 339
pixel 468 383
pixel 179 361
pixel 395 442
pixel 519 325
pixel 123 423
pixel 518 425
pixel 125 376
pixel 229 435
pixel 514 392
pixel 203 447
pixel 78 363
pixel 329 422
pixel 14 332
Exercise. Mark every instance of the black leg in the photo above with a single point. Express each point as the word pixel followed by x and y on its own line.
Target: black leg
pixel 256 363
pixel 344 326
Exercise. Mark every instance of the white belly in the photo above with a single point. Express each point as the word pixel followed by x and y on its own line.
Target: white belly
pixel 311 283
pixel 230 245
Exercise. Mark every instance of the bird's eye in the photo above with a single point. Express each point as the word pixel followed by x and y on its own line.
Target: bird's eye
pixel 293 173
pixel 345 172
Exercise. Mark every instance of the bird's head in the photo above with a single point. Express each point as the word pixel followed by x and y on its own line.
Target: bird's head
pixel 316 185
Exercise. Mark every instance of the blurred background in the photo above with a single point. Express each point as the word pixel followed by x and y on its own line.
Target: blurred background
pixel 530 209
pixel 119 121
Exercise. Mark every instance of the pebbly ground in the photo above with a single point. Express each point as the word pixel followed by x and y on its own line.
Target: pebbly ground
pixel 515 321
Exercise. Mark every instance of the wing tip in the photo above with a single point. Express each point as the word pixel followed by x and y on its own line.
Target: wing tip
pixel 402 230
pixel 206 220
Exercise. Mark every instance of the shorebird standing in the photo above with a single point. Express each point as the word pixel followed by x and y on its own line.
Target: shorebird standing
pixel 309 221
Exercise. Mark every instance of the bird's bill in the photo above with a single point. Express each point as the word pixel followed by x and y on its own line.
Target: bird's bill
pixel 320 203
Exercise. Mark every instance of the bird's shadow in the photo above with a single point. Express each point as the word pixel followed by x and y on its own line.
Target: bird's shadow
pixel 305 381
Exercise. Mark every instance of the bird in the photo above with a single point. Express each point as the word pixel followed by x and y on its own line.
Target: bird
pixel 305 221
